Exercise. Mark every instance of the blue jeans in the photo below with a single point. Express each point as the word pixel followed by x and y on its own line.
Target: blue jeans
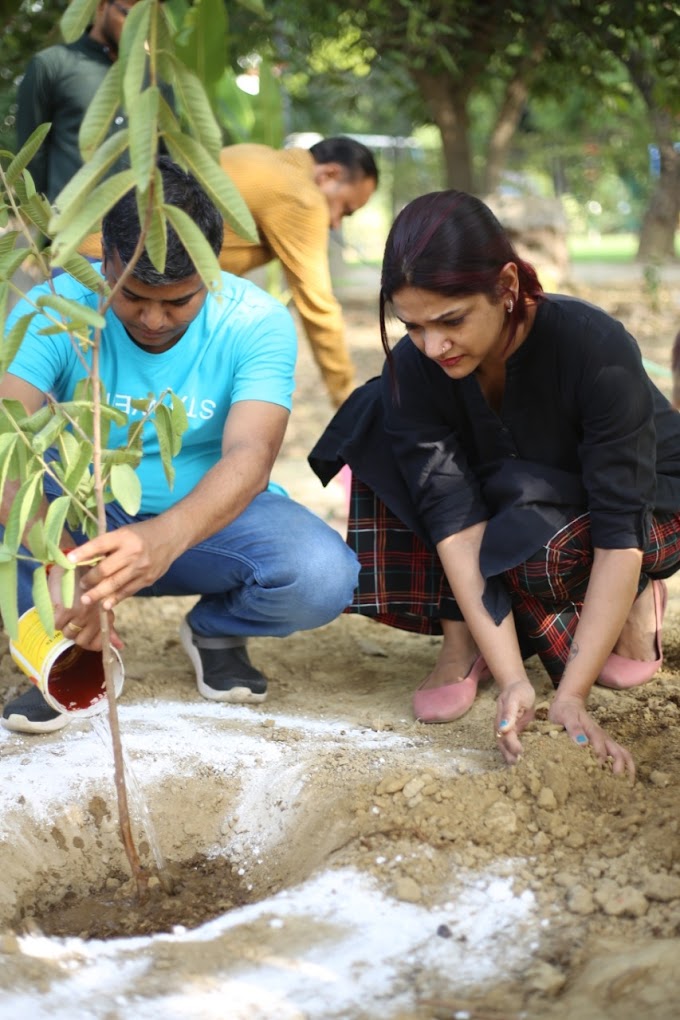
pixel 276 569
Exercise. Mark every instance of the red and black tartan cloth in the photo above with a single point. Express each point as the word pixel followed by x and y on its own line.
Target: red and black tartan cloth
pixel 402 584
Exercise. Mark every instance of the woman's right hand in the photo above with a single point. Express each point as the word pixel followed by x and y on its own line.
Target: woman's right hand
pixel 570 712
pixel 514 711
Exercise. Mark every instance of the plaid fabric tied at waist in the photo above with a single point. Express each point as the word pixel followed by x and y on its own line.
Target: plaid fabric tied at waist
pixel 402 584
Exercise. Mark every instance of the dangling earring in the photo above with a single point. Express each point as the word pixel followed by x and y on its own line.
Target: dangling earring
pixel 509 307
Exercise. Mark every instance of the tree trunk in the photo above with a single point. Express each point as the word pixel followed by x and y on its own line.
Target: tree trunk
pixel 503 133
pixel 510 114
pixel 660 222
pixel 447 103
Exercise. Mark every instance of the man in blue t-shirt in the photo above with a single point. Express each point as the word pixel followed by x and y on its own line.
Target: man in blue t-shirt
pixel 261 563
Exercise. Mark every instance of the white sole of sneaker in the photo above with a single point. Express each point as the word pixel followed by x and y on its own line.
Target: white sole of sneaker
pixel 20 724
pixel 234 696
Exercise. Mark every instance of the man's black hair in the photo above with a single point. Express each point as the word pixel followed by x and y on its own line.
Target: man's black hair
pixel 348 152
pixel 121 227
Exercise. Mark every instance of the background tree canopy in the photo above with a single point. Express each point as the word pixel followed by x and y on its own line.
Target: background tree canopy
pixel 576 98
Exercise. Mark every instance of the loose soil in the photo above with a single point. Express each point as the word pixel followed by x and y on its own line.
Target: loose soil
pixel 329 856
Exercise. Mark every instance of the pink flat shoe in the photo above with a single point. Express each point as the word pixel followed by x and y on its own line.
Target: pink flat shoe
pixel 620 673
pixel 444 704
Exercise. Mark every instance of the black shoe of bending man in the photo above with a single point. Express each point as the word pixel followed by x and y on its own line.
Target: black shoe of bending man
pixel 30 713
pixel 223 670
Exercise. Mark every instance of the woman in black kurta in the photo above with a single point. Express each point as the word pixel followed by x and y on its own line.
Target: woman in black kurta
pixel 516 448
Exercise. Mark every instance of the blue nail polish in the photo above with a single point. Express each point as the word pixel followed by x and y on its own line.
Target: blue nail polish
pixel 581 739
pixel 503 722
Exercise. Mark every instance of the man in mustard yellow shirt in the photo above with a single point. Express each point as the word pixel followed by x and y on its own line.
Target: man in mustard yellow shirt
pixel 295 196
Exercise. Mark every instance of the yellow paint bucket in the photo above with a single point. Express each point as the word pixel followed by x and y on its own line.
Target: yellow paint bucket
pixel 70 678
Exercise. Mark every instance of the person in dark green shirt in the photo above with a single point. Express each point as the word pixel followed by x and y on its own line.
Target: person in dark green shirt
pixel 58 86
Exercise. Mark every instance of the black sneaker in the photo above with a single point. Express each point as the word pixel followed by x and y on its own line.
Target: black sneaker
pixel 30 713
pixel 223 670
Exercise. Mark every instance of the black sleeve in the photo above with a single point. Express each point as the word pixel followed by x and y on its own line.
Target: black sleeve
pixel 618 445
pixel 420 419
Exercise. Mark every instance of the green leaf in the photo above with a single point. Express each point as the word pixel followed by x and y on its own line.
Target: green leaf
pixel 165 42
pixel 103 198
pixel 23 507
pixel 6 441
pixel 132 52
pixel 47 436
pixel 42 600
pixel 156 242
pixel 126 488
pixel 35 541
pixel 11 262
pixel 195 242
pixel 122 456
pixel 75 19
pixel 55 519
pixel 235 110
pixel 30 424
pixel 8 241
pixel 214 181
pixel 81 270
pixel 5 463
pixel 163 424
pixel 144 137
pixel 73 311
pixel 26 154
pixel 69 450
pixel 18 467
pixel 143 404
pixel 70 199
pixel 68 587
pixel 12 413
pixel 7 446
pixel 166 118
pixel 10 416
pixel 30 189
pixel 13 341
pixel 180 421
pixel 8 597
pixel 58 557
pixel 100 113
pixel 4 303
pixel 79 468
pixel 38 211
pixel 200 44
pixel 114 414
pixel 269 108
pixel 197 109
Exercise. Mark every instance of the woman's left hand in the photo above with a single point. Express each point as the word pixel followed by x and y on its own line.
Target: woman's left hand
pixel 514 711
pixel 570 712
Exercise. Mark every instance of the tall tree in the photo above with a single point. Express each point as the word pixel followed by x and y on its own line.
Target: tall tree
pixel 645 37
pixel 452 51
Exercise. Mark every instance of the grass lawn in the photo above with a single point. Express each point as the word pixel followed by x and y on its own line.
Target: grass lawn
pixel 606 247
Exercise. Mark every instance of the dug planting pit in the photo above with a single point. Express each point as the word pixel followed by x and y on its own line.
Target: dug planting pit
pixel 214 830
pixel 295 862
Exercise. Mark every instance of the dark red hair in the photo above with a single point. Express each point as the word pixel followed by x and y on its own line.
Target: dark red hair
pixel 451 243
